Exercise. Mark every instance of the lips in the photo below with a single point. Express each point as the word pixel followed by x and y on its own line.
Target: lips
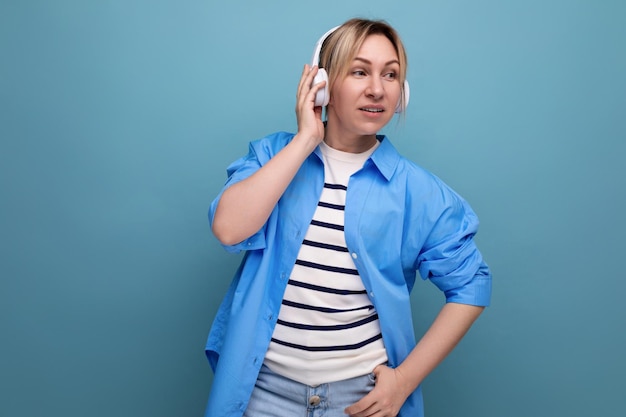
pixel 372 109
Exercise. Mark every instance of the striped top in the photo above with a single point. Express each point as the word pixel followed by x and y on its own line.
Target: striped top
pixel 327 328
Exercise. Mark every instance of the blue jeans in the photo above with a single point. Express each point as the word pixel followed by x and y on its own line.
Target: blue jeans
pixel 277 396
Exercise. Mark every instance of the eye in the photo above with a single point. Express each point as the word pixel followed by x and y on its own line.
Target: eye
pixel 358 73
pixel 392 75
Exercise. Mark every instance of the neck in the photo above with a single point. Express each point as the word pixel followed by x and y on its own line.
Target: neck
pixel 346 143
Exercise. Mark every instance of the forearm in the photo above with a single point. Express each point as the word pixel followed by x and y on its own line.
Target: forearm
pixel 449 327
pixel 244 207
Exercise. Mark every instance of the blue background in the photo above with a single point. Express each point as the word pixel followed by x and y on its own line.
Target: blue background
pixel 118 119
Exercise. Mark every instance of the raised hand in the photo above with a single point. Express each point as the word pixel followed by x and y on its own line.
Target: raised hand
pixel 310 125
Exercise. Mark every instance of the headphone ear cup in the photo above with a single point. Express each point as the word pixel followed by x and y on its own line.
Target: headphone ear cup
pixel 404 100
pixel 323 94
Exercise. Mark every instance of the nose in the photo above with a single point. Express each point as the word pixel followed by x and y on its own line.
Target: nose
pixel 375 88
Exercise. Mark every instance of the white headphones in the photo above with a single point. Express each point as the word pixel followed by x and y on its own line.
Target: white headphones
pixel 323 95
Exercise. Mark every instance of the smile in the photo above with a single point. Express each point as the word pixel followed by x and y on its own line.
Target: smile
pixel 372 110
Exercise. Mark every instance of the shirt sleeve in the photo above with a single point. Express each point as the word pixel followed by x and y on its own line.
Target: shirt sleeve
pixel 450 258
pixel 239 170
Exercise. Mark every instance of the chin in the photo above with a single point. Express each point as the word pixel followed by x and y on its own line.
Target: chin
pixel 372 130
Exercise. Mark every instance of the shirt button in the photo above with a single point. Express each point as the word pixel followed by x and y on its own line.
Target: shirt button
pixel 354 255
pixel 314 400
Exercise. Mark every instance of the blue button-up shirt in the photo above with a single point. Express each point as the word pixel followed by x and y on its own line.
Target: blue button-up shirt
pixel 399 220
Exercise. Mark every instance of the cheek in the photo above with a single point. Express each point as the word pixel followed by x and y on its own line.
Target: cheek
pixel 395 91
pixel 344 92
pixel 338 100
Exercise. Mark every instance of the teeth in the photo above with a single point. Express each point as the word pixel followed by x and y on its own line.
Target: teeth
pixel 372 110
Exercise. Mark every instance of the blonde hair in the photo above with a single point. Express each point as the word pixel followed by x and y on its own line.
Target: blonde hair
pixel 341 47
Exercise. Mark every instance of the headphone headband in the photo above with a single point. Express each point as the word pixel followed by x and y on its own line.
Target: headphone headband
pixel 315 60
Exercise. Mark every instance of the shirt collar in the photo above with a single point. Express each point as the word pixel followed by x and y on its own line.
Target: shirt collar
pixel 385 158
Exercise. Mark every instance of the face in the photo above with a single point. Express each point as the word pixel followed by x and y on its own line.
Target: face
pixel 365 100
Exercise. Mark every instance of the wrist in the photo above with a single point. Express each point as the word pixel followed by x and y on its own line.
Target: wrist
pixel 407 382
pixel 306 141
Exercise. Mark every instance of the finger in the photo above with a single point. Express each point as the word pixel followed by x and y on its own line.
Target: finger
pixel 306 81
pixel 369 411
pixel 306 102
pixel 378 370
pixel 301 83
pixel 363 407
pixel 317 87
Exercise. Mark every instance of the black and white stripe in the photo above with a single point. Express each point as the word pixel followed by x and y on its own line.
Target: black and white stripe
pixel 327 327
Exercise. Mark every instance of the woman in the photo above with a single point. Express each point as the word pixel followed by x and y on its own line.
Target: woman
pixel 335 225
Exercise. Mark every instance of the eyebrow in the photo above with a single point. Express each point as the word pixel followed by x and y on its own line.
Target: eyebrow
pixel 367 61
